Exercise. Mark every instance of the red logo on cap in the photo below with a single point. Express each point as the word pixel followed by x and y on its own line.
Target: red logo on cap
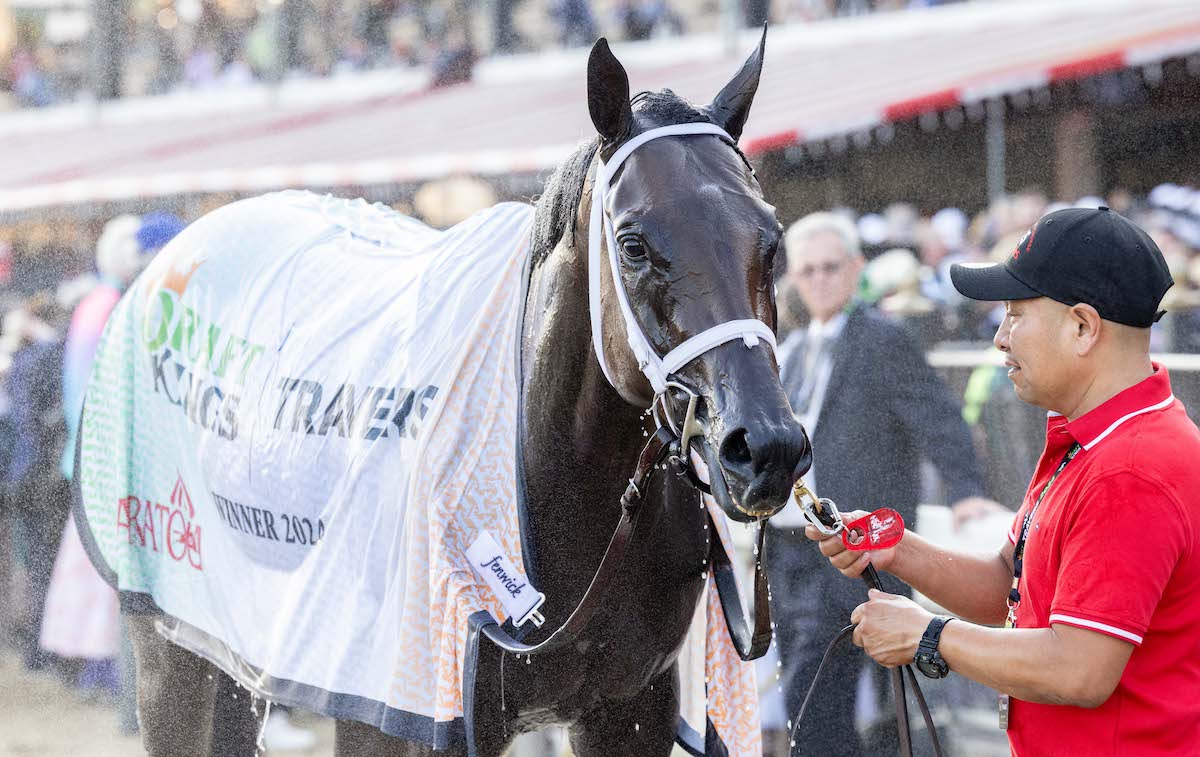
pixel 1026 242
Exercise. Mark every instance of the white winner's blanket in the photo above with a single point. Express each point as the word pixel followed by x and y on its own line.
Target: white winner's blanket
pixel 300 418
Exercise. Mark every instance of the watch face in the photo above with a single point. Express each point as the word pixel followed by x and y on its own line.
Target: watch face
pixel 931 667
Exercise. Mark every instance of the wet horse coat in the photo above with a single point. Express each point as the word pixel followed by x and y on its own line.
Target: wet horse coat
pixel 301 418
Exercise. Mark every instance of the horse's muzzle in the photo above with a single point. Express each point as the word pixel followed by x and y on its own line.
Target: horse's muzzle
pixel 758 468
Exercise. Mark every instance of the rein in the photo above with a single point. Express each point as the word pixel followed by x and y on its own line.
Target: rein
pixel 897 676
pixel 750 642
pixel 823 514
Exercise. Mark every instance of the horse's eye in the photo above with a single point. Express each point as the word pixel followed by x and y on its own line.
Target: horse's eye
pixel 632 247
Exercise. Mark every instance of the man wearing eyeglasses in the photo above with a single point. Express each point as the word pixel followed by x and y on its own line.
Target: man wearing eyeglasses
pixel 874 408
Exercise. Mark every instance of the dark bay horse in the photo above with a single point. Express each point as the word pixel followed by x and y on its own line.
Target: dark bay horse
pixel 697 248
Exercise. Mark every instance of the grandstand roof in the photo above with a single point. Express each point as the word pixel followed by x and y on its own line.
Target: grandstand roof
pixel 524 114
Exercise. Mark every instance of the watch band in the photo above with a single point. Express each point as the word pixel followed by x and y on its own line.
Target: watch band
pixel 933 633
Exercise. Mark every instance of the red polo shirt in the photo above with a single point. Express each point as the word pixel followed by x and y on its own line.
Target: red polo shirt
pixel 1115 549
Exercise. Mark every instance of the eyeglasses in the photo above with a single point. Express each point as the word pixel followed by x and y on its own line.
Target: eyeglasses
pixel 825 269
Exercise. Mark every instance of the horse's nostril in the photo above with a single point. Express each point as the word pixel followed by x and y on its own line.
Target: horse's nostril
pixel 735 450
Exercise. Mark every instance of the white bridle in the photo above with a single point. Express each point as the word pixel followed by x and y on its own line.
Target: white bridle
pixel 658 370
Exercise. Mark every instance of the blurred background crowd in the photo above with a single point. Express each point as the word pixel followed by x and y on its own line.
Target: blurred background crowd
pixel 929 187
pixel 909 255
pixel 170 45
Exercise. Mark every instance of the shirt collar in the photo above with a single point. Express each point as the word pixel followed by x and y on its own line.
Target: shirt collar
pixel 828 329
pixel 1151 394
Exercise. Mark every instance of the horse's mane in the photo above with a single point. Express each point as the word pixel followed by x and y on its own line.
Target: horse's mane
pixel 556 207
pixel 559 203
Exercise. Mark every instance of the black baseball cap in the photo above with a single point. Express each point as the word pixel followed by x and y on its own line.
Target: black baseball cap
pixel 1088 255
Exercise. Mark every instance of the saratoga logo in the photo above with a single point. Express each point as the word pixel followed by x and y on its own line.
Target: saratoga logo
pixel 198 366
pixel 169 529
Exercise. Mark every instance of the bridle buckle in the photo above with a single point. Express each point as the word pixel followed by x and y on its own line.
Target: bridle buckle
pixel 685 431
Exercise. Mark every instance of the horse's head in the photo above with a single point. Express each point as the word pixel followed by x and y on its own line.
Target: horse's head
pixel 695 247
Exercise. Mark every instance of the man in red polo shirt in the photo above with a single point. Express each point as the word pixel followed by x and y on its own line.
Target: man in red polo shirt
pixel 1098 586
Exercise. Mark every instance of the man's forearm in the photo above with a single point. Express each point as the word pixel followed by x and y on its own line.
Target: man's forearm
pixel 971 586
pixel 1029 664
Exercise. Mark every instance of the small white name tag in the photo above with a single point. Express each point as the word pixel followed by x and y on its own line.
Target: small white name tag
pixel 519 598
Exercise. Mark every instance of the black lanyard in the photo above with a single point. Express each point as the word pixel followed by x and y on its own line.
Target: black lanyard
pixel 1014 595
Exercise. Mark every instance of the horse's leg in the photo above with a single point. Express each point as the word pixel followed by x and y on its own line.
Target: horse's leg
pixel 356 739
pixel 176 694
pixel 237 719
pixel 644 725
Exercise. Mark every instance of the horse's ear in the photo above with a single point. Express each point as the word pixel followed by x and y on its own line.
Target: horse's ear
pixel 608 94
pixel 732 106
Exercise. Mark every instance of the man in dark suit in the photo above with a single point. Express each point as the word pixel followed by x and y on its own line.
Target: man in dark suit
pixel 873 408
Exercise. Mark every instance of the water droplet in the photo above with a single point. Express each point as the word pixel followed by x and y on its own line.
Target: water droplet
pixel 704 575
pixel 637 726
pixel 528 660
pixel 235 696
pixel 789 725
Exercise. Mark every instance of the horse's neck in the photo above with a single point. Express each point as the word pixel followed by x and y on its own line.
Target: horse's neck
pixel 580 439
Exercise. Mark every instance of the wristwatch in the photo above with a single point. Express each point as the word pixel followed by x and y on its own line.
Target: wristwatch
pixel 928 660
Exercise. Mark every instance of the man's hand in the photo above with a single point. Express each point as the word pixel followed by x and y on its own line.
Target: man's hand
pixel 889 627
pixel 851 564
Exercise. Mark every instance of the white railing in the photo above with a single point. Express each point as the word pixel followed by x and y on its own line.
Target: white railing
pixel 970 358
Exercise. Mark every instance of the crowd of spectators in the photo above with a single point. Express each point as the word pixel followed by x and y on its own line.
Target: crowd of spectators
pixel 173 45
pixel 909 256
